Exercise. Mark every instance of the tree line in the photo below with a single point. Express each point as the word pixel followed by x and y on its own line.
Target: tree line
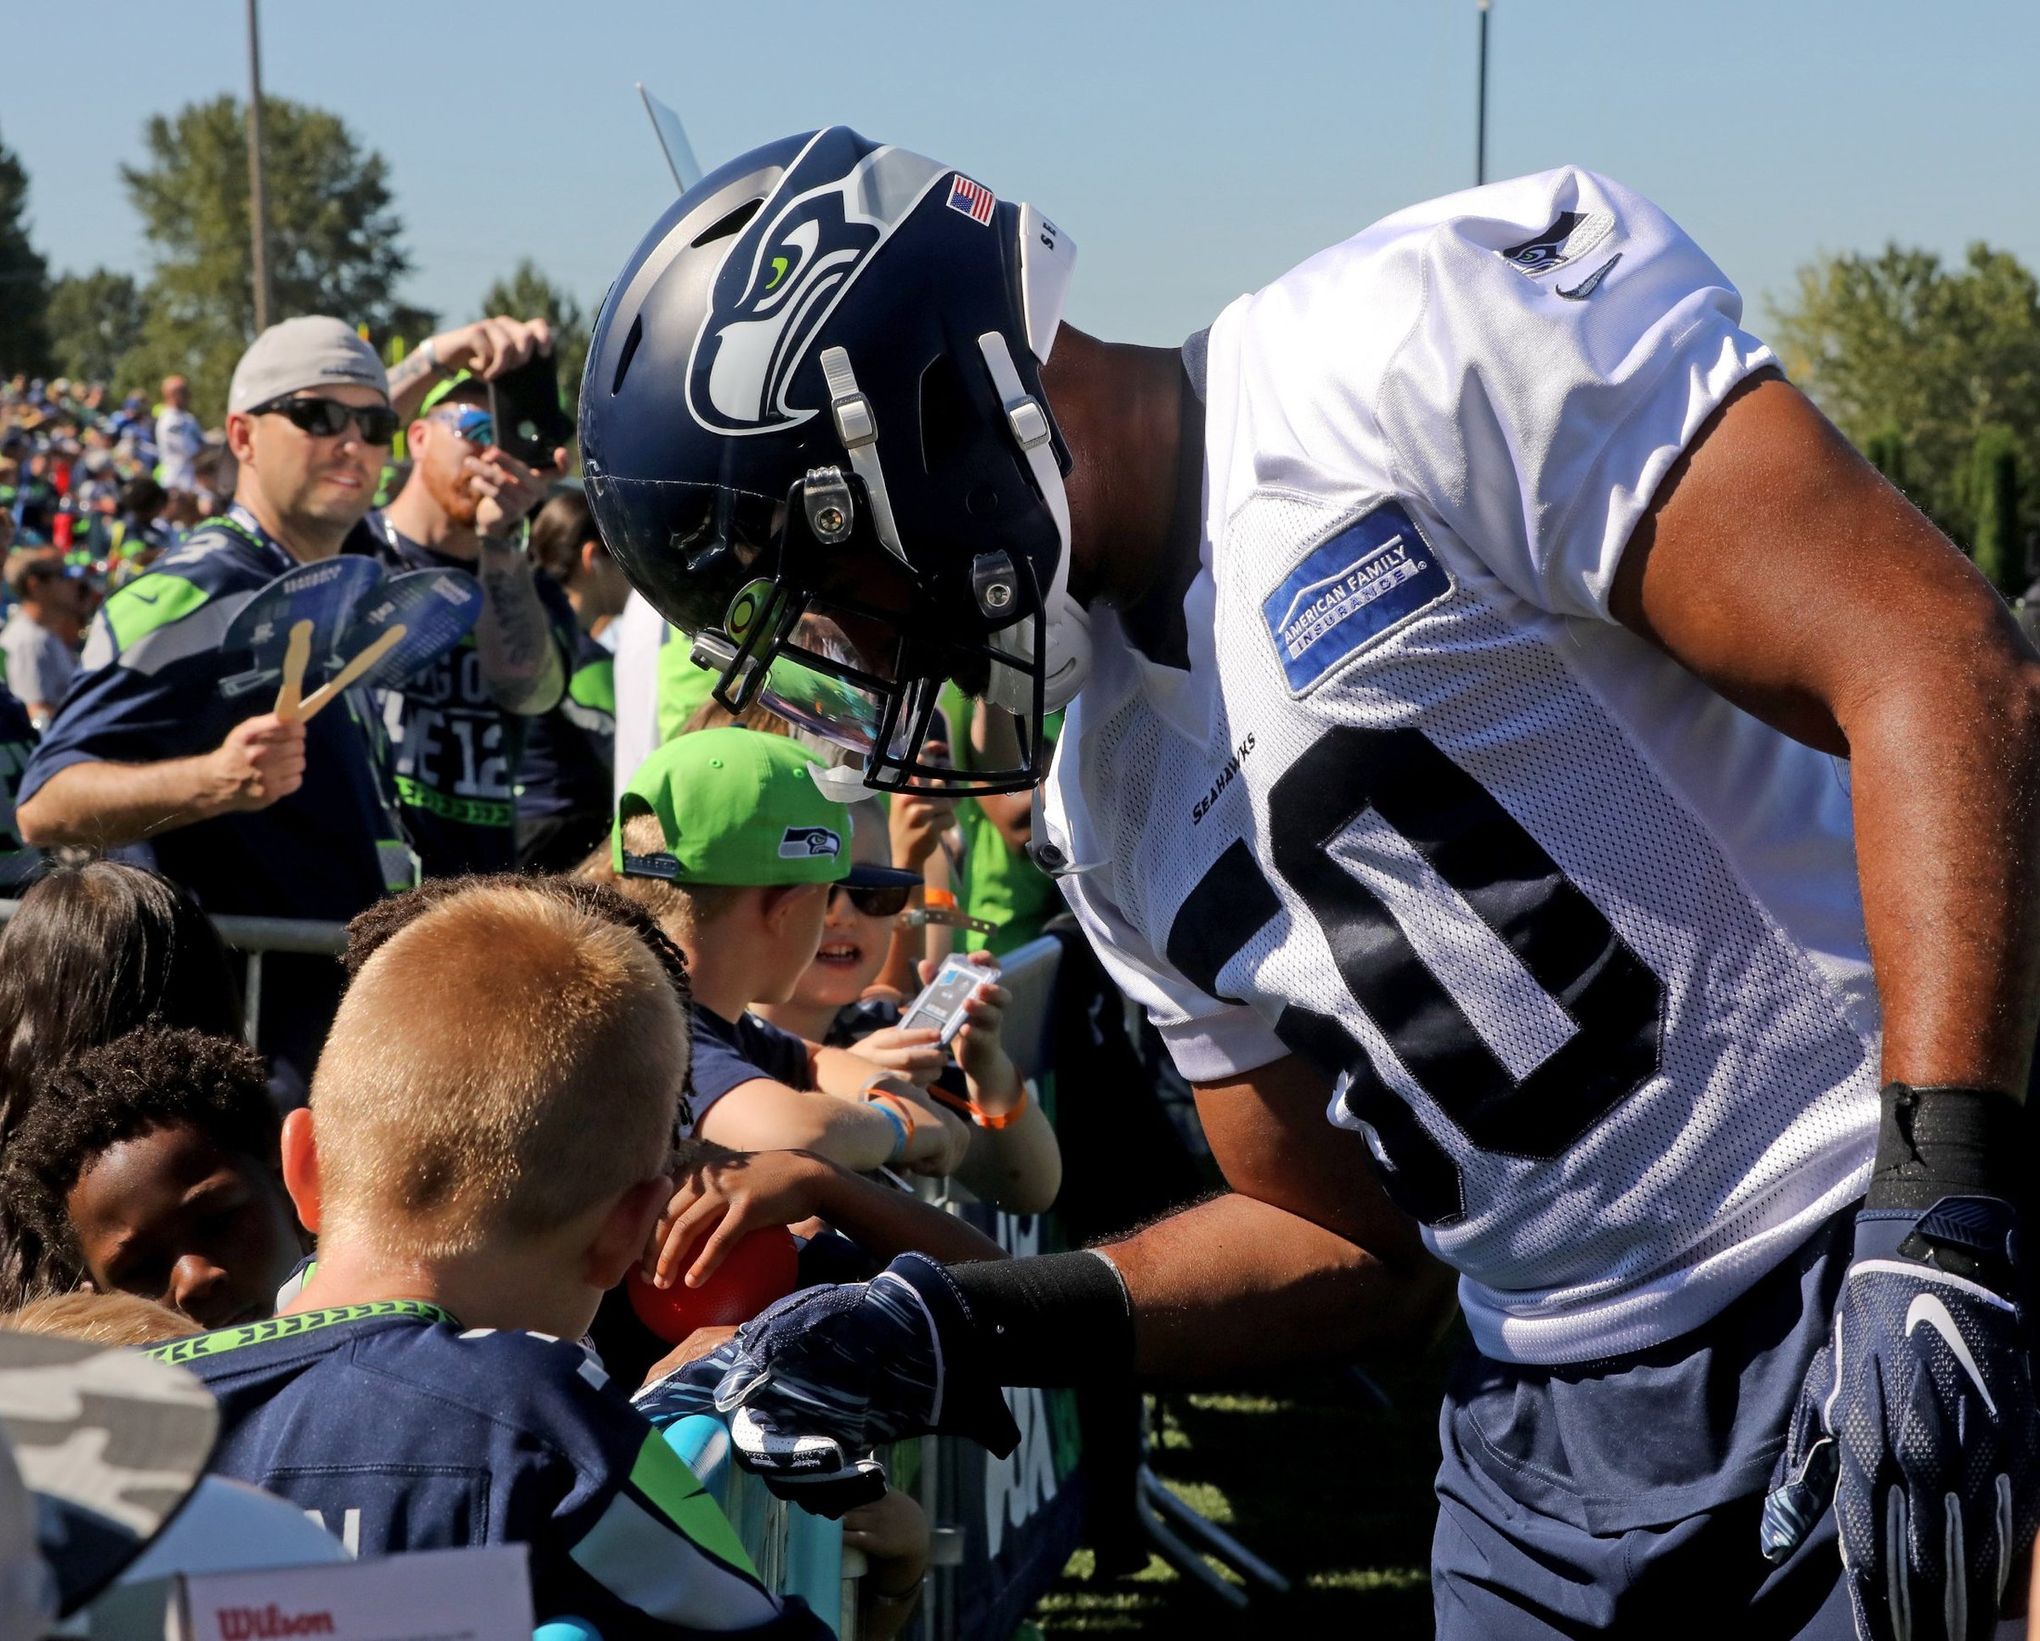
pixel 1932 370
pixel 335 245
pixel 1934 373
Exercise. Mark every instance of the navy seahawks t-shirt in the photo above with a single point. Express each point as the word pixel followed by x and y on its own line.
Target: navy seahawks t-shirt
pixel 148 689
pixel 730 1053
pixel 456 751
pixel 397 1430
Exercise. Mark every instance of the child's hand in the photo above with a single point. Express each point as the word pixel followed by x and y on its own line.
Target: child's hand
pixel 915 821
pixel 980 1050
pixel 913 1052
pixel 892 1530
pixel 721 1200
pixel 691 1349
pixel 995 1083
pixel 939 1140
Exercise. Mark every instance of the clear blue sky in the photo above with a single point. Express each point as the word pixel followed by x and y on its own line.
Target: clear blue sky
pixel 1193 149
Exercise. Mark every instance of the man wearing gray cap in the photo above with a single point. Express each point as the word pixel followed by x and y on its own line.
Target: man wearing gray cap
pixel 253 814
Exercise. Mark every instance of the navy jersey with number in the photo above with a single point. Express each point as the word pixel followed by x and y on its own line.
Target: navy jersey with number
pixel 399 1431
pixel 149 689
pixel 456 751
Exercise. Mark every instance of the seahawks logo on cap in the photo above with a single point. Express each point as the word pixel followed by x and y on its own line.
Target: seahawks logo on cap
pixel 805 842
pixel 785 273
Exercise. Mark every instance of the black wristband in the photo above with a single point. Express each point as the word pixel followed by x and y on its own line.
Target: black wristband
pixel 1941 1142
pixel 1060 1319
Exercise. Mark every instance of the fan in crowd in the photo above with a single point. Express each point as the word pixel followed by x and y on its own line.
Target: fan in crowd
pixel 158 1178
pixel 457 728
pixel 565 778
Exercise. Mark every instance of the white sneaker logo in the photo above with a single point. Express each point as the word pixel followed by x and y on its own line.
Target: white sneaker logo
pixel 1928 1309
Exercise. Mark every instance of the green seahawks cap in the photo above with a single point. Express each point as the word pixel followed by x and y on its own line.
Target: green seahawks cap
pixel 737 807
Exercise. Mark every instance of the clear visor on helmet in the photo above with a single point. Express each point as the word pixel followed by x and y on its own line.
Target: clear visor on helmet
pixel 844 692
pixel 766 608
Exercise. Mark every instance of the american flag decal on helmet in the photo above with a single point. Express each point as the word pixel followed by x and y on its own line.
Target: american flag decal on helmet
pixel 973 199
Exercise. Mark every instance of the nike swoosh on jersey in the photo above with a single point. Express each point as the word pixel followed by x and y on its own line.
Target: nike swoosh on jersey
pixel 1586 287
pixel 1928 1309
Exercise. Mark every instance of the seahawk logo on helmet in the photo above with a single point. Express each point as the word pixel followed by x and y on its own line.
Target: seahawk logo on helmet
pixel 785 274
pixel 815 436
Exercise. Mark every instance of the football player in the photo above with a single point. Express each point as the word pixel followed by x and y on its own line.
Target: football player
pixel 1504 719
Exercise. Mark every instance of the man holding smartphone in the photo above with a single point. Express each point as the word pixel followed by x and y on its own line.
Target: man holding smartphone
pixel 457 727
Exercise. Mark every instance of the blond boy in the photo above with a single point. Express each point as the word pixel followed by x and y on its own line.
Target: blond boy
pixel 483 1156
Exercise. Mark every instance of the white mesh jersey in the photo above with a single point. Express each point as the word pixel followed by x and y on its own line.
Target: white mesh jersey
pixel 1580 941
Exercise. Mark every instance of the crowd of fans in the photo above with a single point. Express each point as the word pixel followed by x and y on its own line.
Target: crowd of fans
pixel 592 1025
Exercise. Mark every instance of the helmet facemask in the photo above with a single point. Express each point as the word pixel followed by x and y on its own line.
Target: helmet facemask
pixel 856 670
pixel 1031 652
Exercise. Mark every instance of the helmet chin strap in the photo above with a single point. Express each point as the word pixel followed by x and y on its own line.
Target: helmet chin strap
pixel 1066 644
pixel 857 427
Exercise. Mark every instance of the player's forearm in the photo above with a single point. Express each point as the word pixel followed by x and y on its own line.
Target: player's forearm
pixel 1946 786
pixel 102 805
pixel 888 1223
pixel 1234 1285
pixel 521 664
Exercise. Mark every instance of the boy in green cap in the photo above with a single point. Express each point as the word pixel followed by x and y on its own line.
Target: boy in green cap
pixel 725 838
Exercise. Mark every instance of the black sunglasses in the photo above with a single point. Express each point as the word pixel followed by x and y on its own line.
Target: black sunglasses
pixel 328 418
pixel 885 901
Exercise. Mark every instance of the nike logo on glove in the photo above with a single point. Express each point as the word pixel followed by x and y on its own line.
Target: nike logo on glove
pixel 1926 1308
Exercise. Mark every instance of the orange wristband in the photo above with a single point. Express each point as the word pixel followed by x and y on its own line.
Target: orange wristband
pixel 978 1114
pixel 985 1119
pixel 897 1106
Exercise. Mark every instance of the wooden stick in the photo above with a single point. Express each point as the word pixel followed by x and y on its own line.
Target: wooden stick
pixel 327 692
pixel 295 659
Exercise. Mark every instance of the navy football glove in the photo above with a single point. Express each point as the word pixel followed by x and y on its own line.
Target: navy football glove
pixel 828 1373
pixel 1917 1420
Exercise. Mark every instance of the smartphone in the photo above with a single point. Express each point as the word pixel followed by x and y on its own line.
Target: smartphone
pixel 941 1002
pixel 525 403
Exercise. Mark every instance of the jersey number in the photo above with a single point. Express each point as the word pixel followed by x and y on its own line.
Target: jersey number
pixel 1506 880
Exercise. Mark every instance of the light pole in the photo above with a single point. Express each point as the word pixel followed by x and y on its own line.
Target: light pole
pixel 1480 101
pixel 258 202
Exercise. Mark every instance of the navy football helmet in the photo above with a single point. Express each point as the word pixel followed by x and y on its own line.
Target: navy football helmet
pixel 815 438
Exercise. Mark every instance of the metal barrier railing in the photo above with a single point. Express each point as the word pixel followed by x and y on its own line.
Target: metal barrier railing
pixel 798 1551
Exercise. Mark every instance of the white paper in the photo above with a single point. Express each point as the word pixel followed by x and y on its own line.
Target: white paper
pixel 429 1595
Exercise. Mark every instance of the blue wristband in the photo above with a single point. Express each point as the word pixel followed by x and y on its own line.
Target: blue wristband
pixel 899 1129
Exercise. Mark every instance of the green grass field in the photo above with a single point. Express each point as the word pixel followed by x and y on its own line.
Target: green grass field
pixel 1313 1475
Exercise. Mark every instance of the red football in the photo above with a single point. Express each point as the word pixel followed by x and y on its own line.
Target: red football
pixel 762 1267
